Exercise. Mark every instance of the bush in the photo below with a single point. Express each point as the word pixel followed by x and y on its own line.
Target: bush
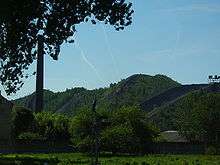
pixel 81 130
pixel 118 139
pixel 45 125
pixel 52 126
pixel 125 130
pixel 29 136
pixel 22 121
pixel 211 150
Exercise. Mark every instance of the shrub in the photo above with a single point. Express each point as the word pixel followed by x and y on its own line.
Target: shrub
pixel 22 121
pixel 53 126
pixel 125 130
pixel 29 136
pixel 211 150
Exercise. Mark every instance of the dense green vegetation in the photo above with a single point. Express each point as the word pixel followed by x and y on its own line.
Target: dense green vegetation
pixel 125 130
pixel 40 126
pixel 196 116
pixel 23 120
pixel 128 92
pixel 122 126
pixel 67 159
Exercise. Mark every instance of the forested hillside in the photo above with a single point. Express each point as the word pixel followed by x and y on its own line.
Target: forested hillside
pixel 170 96
pixel 166 116
pixel 166 102
pixel 131 91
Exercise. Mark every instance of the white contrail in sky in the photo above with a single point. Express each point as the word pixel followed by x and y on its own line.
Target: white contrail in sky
pixel 178 34
pixel 177 41
pixel 85 59
pixel 110 51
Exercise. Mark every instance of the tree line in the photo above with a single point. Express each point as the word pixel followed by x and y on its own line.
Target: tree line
pixel 126 129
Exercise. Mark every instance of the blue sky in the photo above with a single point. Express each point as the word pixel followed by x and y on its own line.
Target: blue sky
pixel 177 38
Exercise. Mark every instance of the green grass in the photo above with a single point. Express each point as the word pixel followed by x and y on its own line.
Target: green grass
pixel 76 158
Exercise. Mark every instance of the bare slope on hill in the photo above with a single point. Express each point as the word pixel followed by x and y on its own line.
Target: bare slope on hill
pixel 170 96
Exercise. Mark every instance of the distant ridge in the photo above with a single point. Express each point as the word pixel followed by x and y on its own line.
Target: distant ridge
pixel 164 115
pixel 158 95
pixel 170 96
pixel 130 91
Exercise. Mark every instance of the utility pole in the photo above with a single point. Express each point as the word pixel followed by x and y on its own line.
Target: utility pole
pixel 40 75
pixel 95 145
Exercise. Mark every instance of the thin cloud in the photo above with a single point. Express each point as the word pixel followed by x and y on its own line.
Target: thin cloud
pixel 85 59
pixel 161 52
pixel 212 8
pixel 152 57
pixel 110 52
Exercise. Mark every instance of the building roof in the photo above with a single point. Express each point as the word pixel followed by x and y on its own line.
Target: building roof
pixel 173 136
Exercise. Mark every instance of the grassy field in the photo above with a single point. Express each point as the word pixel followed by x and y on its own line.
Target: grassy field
pixel 69 159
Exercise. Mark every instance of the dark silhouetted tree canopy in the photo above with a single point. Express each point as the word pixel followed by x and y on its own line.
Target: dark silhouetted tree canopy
pixel 21 21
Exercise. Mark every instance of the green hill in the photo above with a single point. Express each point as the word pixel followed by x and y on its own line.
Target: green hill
pixel 65 102
pixel 170 95
pixel 137 88
pixel 131 91
pixel 165 116
pixel 159 95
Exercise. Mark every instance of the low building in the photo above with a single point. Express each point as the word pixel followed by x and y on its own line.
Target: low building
pixel 173 136
pixel 5 118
